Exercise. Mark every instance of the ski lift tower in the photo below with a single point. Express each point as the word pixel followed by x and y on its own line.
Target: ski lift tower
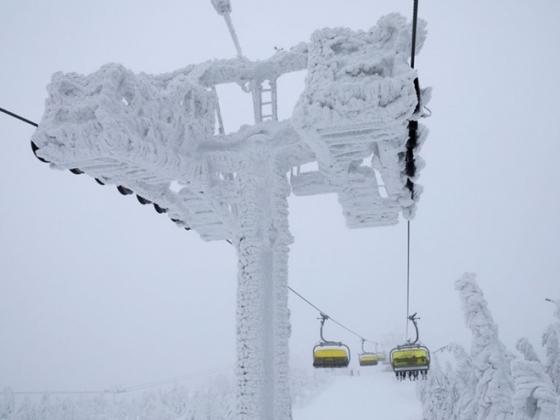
pixel 161 138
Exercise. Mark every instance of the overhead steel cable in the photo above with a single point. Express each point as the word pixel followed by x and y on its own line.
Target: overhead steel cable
pixel 414 29
pixel 413 127
pixel 305 300
pixel 407 275
pixel 19 117
pixel 323 313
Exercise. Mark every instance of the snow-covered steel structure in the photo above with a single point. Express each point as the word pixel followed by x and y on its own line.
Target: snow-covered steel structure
pixel 161 138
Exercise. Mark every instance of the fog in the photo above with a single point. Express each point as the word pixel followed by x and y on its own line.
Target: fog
pixel 96 290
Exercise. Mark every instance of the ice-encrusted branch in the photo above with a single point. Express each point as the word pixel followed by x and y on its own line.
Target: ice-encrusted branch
pixel 525 347
pixel 556 303
pixel 534 396
pixel 551 344
pixel 449 391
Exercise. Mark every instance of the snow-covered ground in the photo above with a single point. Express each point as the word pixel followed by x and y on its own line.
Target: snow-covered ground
pixel 316 394
pixel 372 393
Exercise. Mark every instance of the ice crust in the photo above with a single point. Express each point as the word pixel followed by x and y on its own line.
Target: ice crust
pixel 358 100
pixel 144 132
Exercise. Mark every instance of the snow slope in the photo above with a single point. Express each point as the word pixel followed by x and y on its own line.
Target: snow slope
pixel 373 394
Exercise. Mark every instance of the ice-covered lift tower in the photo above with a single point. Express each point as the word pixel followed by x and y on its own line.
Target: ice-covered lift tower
pixel 161 137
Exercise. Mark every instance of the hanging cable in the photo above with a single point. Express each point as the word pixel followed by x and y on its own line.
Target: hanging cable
pixel 414 29
pixel 407 274
pixel 323 313
pixel 410 164
pixel 305 300
pixel 19 117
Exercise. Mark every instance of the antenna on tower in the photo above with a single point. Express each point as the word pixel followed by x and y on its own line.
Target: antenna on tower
pixel 223 7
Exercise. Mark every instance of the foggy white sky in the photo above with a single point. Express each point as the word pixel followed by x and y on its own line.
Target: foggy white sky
pixel 96 290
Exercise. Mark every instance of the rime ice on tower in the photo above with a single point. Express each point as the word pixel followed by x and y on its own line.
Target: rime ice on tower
pixel 354 112
pixel 155 136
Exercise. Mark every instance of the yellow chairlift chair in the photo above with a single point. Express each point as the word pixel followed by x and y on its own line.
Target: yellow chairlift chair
pixel 411 359
pixel 330 354
pixel 368 358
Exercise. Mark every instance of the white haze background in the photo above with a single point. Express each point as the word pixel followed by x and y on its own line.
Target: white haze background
pixel 96 290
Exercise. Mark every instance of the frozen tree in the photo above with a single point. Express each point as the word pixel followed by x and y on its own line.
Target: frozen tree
pixel 492 383
pixel 464 408
pixel 438 394
pixel 557 304
pixel 7 404
pixel 174 400
pixel 527 350
pixel 492 372
pixel 306 384
pixel 212 400
pixel 448 393
pixel 22 410
pixel 551 343
pixel 534 396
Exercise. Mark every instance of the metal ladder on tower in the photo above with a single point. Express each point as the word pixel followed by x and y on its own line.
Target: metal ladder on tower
pixel 265 101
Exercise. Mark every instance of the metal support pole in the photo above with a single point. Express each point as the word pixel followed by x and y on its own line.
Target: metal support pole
pixel 233 34
pixel 263 328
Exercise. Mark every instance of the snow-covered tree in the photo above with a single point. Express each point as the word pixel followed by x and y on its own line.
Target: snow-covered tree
pixel 306 384
pixel 492 383
pixel 438 394
pixel 534 396
pixel 7 404
pixel 448 392
pixel 551 343
pixel 527 350
pixel 464 408
pixel 491 367
pixel 214 399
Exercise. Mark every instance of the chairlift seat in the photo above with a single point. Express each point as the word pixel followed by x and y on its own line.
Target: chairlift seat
pixel 330 356
pixel 381 357
pixel 368 359
pixel 410 358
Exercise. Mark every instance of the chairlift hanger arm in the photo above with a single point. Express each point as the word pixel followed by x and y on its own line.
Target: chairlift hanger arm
pixel 413 318
pixel 323 318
